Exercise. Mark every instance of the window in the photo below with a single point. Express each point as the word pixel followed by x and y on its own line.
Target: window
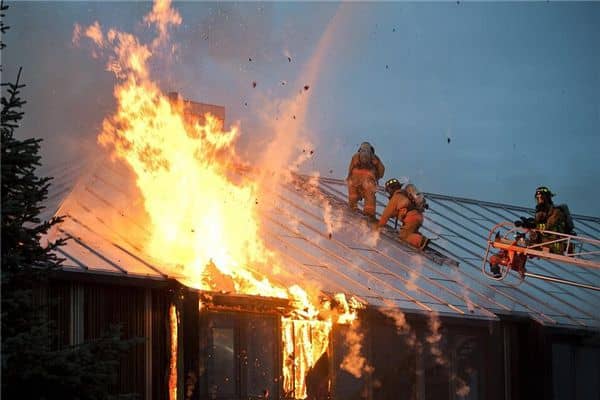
pixel 241 356
pixel 224 373
pixel 260 362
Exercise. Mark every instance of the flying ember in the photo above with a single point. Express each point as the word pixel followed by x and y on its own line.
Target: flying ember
pixel 202 211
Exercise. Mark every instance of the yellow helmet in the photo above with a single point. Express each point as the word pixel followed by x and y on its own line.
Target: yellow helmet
pixel 391 185
pixel 544 191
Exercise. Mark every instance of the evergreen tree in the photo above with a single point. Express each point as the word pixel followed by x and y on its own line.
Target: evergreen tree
pixel 34 366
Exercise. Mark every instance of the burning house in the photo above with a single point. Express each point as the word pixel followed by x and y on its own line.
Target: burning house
pixel 246 284
pixel 388 322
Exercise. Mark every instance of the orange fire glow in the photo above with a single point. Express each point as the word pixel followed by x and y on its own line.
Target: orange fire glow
pixel 201 214
pixel 304 343
pixel 173 353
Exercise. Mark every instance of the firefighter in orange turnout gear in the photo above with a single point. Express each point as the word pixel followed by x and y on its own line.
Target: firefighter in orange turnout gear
pixel 408 205
pixel 363 173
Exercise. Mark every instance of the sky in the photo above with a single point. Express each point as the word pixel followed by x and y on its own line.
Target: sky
pixel 481 100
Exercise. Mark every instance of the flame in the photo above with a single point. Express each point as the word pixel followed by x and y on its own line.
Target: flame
pixel 199 215
pixel 203 217
pixel 94 32
pixel 173 320
pixel 348 307
pixel 304 343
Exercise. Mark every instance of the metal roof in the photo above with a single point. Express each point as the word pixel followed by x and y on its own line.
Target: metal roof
pixel 321 240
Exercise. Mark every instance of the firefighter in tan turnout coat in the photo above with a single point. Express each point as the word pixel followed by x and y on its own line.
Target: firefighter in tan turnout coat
pixel 363 173
pixel 408 206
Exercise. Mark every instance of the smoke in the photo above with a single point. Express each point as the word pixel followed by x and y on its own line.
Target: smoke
pixel 242 41
pixel 354 362
pixel 403 328
pixel 466 295
pixel 284 151
pixel 290 145
pixel 434 339
pixel 413 274
pixel 67 93
pixel 462 388
pixel 332 216
pixel 456 275
pixel 236 32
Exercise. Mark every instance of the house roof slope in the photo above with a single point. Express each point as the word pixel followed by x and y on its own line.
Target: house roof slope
pixel 320 240
pixel 459 228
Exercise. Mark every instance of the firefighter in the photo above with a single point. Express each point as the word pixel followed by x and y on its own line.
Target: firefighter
pixel 548 217
pixel 408 205
pixel 364 172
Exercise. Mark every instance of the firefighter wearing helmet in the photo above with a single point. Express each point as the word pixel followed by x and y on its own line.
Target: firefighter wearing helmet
pixel 548 217
pixel 408 205
pixel 364 172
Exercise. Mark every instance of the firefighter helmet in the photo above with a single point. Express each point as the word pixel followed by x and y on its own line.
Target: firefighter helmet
pixel 544 191
pixel 366 146
pixel 391 185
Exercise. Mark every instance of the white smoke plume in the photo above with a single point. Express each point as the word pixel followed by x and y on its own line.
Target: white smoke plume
pixel 434 339
pixel 332 216
pixel 462 388
pixel 403 328
pixel 354 362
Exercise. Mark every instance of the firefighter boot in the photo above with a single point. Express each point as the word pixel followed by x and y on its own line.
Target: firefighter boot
pixel 495 270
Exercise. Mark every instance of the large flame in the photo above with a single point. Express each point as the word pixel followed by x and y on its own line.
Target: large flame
pixel 203 215
pixel 200 215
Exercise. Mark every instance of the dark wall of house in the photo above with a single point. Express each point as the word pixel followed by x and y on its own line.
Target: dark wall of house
pixel 529 360
pixel 58 299
pixel 108 305
pixel 463 360
pixel 553 364
pixel 345 385
pixel 576 366
pixel 227 354
pixel 102 305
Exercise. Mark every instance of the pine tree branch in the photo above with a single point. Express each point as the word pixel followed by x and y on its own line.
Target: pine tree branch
pixel 3 27
pixel 9 116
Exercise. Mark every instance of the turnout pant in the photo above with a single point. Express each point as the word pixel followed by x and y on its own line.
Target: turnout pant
pixel 362 186
pixel 410 229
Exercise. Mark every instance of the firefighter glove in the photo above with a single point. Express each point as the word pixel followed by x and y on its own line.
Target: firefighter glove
pixel 525 222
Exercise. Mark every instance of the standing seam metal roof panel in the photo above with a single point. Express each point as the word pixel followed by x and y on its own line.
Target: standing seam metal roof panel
pixel 322 241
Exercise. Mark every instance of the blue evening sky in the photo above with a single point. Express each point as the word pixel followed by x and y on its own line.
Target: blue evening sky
pixel 483 100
